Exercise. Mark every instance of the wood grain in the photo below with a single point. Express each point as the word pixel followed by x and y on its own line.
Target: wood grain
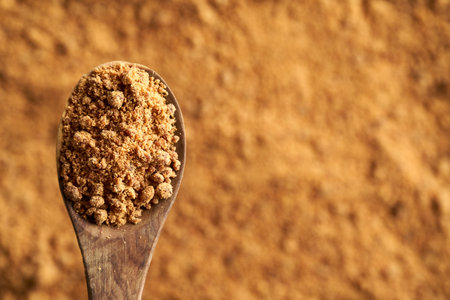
pixel 116 260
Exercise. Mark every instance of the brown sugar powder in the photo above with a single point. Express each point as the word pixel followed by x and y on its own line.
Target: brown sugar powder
pixel 118 144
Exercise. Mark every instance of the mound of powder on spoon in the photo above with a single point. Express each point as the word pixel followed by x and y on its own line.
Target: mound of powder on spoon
pixel 118 144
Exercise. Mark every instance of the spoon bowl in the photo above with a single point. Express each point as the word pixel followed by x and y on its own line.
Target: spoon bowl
pixel 116 259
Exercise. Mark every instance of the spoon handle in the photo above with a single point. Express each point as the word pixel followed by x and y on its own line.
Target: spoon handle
pixel 116 268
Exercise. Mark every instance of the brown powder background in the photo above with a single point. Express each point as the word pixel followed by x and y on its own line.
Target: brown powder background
pixel 318 161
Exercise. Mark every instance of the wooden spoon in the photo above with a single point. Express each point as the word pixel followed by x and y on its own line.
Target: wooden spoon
pixel 116 260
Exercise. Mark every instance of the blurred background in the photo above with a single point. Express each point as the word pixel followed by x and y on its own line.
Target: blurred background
pixel 318 161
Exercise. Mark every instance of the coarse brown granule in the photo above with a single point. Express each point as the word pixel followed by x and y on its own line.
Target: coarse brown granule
pixel 118 144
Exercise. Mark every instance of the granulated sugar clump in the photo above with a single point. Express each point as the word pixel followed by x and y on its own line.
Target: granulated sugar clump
pixel 118 144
